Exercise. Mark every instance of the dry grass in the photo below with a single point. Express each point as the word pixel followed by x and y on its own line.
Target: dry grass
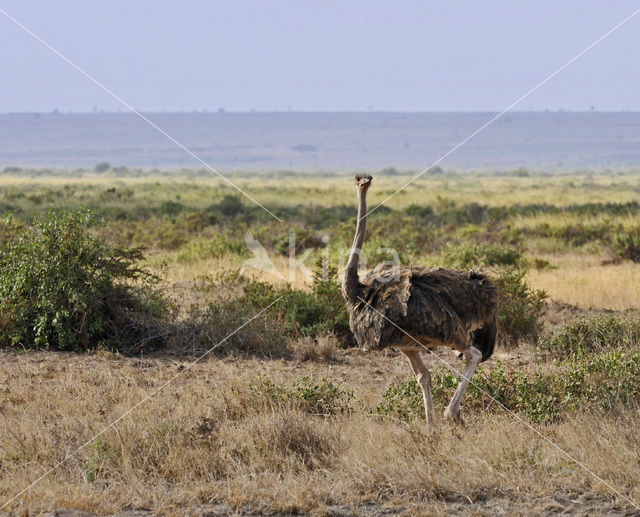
pixel 584 281
pixel 208 439
pixel 322 349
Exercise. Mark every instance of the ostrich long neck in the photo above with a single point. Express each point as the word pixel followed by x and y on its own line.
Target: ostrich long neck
pixel 350 281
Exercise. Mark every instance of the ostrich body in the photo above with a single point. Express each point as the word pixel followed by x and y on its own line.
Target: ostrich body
pixel 414 308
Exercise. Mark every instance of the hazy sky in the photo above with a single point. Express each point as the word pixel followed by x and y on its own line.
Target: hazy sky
pixel 406 55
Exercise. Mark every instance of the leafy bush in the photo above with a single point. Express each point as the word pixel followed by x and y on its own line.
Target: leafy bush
pixel 519 306
pixel 301 239
pixel 216 246
pixel 609 380
pixel 538 395
pixel 574 234
pixel 311 313
pixel 592 335
pixel 62 287
pixel 627 244
pixel 231 208
pixel 465 256
pixel 102 167
pixel 402 400
pixel 171 208
pixel 535 395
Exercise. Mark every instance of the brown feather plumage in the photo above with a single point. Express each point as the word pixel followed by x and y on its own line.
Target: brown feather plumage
pixel 434 306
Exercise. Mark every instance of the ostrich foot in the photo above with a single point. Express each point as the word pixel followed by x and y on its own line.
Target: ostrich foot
pixel 430 430
pixel 453 417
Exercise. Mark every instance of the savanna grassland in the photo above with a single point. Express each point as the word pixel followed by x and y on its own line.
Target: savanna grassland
pixel 285 415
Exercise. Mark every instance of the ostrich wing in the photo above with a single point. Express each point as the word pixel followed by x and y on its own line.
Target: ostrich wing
pixel 385 293
pixel 432 305
pixel 450 306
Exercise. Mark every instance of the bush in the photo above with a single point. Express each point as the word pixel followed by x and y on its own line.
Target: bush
pixel 536 395
pixel 309 313
pixel 519 306
pixel 231 326
pixel 216 246
pixel 465 256
pixel 627 244
pixel 608 380
pixel 171 208
pixel 324 398
pixel 592 335
pixel 63 288
pixel 574 235
pixel 301 239
pixel 102 167
pixel 232 208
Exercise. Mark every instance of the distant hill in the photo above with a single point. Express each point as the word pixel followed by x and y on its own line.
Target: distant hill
pixel 335 141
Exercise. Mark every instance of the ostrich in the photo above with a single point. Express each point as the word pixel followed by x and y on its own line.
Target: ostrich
pixel 413 308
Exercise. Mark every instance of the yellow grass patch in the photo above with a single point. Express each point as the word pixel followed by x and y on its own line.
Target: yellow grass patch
pixel 585 282
pixel 207 439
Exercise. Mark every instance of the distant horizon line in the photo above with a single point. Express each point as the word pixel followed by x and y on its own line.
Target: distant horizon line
pixel 222 111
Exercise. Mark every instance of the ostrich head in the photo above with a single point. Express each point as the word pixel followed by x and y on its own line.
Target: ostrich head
pixel 363 181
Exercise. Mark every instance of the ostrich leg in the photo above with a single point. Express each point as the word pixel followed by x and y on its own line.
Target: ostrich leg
pixel 474 356
pixel 424 380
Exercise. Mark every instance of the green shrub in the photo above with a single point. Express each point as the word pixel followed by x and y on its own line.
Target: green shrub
pixel 465 256
pixel 627 244
pixel 102 167
pixel 301 239
pixel 592 335
pixel 231 208
pixel 519 306
pixel 574 235
pixel 171 208
pixel 216 246
pixel 402 400
pixel 325 398
pixel 62 287
pixel 608 380
pixel 311 313
pixel 536 395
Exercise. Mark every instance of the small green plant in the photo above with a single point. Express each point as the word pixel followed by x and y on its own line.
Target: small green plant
pixel 324 398
pixel 62 287
pixel 402 400
pixel 537 395
pixel 101 455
